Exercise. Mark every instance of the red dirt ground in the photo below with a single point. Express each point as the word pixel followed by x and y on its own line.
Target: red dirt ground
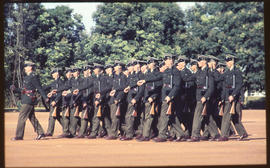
pixel 100 152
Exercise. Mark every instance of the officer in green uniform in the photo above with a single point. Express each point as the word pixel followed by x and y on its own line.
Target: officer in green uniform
pixel 29 100
pixel 232 85
pixel 56 106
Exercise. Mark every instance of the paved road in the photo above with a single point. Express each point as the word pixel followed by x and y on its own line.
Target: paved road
pixel 100 152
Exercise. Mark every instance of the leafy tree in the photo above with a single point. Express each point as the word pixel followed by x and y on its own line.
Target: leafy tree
pixel 136 30
pixel 47 37
pixel 236 28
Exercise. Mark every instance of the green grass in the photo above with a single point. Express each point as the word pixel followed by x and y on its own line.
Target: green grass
pixel 255 102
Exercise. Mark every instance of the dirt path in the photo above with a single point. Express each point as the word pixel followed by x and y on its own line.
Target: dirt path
pixel 100 152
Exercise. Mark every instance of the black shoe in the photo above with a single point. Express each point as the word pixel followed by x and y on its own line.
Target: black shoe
pixel 48 134
pixel 242 138
pixel 70 136
pixel 214 138
pixel 16 138
pixel 123 137
pixel 187 137
pixel 102 134
pixel 41 136
pixel 180 139
pixel 170 138
pixel 153 136
pixel 91 137
pixel 138 136
pixel 143 139
pixel 204 138
pixel 222 138
pixel 110 138
pixel 65 136
pixel 193 139
pixel 126 139
pixel 61 136
pixel 157 139
pixel 79 136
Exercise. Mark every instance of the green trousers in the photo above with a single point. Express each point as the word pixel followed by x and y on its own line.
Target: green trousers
pixel 148 120
pixel 75 122
pixel 115 121
pixel 66 120
pixel 165 120
pixel 27 111
pixel 85 118
pixel 207 121
pixel 52 119
pixel 235 118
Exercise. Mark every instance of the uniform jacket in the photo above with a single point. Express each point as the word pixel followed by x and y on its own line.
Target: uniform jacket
pixel 152 85
pixel 232 84
pixel 205 84
pixel 75 83
pixel 100 86
pixel 28 91
pixel 119 83
pixel 87 89
pixel 171 83
pixel 135 92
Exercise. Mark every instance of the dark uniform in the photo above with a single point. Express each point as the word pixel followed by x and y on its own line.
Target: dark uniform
pixel 116 103
pixel 87 90
pixel 28 99
pixel 58 107
pixel 232 86
pixel 106 117
pixel 171 84
pixel 186 101
pixel 139 120
pixel 151 90
pixel 65 103
pixel 100 87
pixel 136 93
pixel 205 87
pixel 75 103
pixel 212 106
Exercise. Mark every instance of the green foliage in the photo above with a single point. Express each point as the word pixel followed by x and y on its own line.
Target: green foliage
pixel 236 28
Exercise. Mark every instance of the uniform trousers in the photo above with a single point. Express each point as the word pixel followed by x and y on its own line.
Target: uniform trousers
pixel 166 120
pixel 115 121
pixel 206 120
pixel 52 119
pixel 66 119
pixel 27 111
pixel 75 121
pixel 235 118
pixel 148 119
